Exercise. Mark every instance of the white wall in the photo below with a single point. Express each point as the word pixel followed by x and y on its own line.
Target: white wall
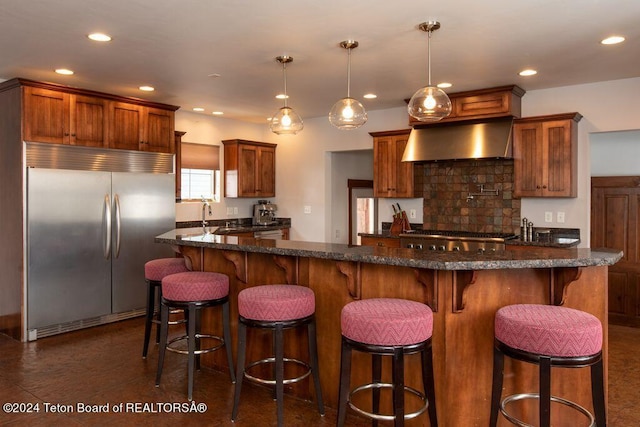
pixel 304 167
pixel 615 153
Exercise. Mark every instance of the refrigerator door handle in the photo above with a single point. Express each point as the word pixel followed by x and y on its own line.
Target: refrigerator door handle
pixel 116 201
pixel 107 220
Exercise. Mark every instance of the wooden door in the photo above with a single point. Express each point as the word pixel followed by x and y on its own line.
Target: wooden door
pixel 125 126
pixel 383 166
pixel 46 115
pixel 266 172
pixel 88 121
pixel 527 155
pixel 403 171
pixel 615 223
pixel 247 168
pixel 158 131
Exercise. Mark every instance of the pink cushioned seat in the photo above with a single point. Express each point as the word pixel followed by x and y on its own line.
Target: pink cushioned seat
pixel 549 330
pixel 195 286
pixel 387 321
pixel 156 269
pixel 276 302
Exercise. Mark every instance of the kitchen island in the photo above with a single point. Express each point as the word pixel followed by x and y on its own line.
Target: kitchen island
pixel 463 289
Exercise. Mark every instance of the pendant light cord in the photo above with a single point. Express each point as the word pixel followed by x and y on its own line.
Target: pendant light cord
pixel 284 75
pixel 349 74
pixel 429 55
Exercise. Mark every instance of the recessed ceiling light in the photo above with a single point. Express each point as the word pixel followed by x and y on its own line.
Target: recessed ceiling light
pixel 282 96
pixel 64 71
pixel 370 96
pixel 444 85
pixel 613 40
pixel 99 37
pixel 147 88
pixel 217 113
pixel 198 109
pixel 528 72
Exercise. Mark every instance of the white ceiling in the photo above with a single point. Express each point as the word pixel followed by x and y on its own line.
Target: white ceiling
pixel 174 45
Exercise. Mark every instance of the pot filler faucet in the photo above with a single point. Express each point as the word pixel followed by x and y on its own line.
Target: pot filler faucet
pixel 205 204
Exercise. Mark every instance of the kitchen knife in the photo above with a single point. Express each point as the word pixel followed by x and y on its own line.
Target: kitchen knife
pixel 395 212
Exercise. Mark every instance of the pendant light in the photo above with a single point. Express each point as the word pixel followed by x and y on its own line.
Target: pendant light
pixel 285 121
pixel 430 103
pixel 348 113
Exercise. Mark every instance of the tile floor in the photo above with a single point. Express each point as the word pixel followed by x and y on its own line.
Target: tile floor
pixel 103 365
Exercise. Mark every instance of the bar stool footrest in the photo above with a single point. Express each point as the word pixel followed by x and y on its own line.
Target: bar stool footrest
pixel 522 396
pixel 273 360
pixel 197 352
pixel 383 417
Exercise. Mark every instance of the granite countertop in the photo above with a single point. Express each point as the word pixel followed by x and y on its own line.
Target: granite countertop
pixel 235 227
pixel 537 257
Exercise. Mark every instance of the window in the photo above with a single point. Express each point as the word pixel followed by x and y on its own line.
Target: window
pixel 200 172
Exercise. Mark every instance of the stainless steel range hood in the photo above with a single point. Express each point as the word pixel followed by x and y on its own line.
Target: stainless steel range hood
pixel 486 140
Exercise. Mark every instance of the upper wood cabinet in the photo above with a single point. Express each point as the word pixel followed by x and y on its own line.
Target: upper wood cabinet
pixel 545 151
pixel 391 176
pixel 481 104
pixel 63 115
pixel 62 118
pixel 249 168
pixel 136 127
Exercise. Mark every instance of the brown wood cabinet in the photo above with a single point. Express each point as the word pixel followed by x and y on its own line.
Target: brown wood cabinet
pixel 391 176
pixel 495 102
pixel 384 242
pixel 62 118
pixel 249 168
pixel 64 115
pixel 140 128
pixel 545 150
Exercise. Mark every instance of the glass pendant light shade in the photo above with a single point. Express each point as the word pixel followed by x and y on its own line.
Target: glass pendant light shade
pixel 430 103
pixel 348 113
pixel 285 121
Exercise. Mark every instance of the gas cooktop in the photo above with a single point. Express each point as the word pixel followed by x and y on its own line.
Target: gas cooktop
pixel 456 233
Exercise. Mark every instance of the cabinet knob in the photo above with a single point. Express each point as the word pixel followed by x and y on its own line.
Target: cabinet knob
pixel 544 186
pixel 538 187
pixel 380 244
pixel 66 134
pixel 73 135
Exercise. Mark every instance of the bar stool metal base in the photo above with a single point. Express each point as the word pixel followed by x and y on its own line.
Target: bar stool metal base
pixel 522 396
pixel 278 360
pixel 174 349
pixel 153 316
pixel 545 363
pixel 399 389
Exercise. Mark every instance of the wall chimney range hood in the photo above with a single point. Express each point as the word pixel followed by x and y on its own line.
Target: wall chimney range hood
pixel 458 141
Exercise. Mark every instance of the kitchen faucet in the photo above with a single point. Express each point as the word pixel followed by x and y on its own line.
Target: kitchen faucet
pixel 205 204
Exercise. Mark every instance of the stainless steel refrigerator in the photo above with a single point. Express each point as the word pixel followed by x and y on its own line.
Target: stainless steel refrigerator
pixel 89 233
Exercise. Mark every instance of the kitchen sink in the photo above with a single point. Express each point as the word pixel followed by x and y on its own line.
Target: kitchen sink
pixel 227 230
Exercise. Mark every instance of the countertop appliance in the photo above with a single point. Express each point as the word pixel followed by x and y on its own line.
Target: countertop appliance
pixel 264 213
pixel 459 241
pixel 90 232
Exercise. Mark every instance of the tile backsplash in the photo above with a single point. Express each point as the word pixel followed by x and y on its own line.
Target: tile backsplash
pixel 453 200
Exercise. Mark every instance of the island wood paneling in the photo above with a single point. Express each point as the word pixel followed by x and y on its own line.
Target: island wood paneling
pixel 464 306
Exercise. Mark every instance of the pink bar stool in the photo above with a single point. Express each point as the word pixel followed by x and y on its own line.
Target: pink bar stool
pixel 387 327
pixel 192 291
pixel 154 271
pixel 277 307
pixel 548 336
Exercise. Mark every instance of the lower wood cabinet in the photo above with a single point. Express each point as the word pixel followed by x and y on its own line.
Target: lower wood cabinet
pixel 384 242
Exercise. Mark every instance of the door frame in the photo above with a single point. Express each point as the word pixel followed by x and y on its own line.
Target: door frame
pixel 355 183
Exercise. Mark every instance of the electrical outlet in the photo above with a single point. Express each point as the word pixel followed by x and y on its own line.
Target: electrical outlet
pixel 548 217
pixel 229 211
pixel 307 209
pixel 412 213
pixel 235 210
pixel 560 217
pixel 337 234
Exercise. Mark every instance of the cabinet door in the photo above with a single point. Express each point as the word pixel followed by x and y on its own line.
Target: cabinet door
pixel 392 177
pixel 88 121
pixel 385 242
pixel 266 172
pixel 247 170
pixel 559 159
pixel 528 159
pixel 125 125
pixel 158 133
pixel 46 115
